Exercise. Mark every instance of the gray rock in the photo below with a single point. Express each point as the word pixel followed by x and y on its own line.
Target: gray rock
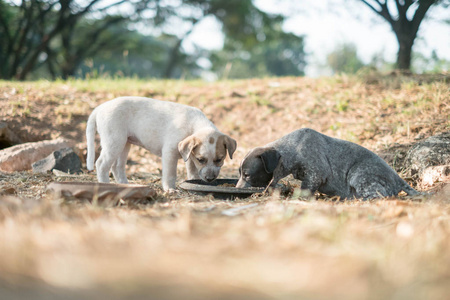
pixel 20 157
pixel 431 152
pixel 65 160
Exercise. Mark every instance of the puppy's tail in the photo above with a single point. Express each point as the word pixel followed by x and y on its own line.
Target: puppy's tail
pixel 91 127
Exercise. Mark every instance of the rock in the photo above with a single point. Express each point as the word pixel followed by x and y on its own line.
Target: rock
pixel 65 160
pixel 431 175
pixel 20 157
pixel 8 190
pixel 431 152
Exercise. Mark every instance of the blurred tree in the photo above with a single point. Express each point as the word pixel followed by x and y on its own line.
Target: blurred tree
pixel 344 59
pixel 55 37
pixel 137 55
pixel 28 29
pixel 241 21
pixel 430 64
pixel 260 47
pixel 379 62
pixel 404 17
pixel 90 38
pixel 281 56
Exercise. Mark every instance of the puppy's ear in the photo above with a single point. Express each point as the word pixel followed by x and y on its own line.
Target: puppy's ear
pixel 230 144
pixel 186 146
pixel 270 159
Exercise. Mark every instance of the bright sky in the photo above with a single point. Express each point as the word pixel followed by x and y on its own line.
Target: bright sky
pixel 326 25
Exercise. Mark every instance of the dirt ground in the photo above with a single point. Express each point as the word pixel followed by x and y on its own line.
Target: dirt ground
pixel 183 246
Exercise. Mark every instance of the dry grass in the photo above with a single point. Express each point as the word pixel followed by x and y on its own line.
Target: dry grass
pixel 182 246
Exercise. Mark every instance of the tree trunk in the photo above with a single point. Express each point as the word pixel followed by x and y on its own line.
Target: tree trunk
pixel 405 44
pixel 405 28
pixel 173 59
pixel 174 54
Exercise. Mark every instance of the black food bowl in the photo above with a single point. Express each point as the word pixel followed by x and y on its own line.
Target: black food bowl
pixel 219 188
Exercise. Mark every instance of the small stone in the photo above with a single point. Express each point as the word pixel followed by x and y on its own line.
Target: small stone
pixel 8 191
pixel 435 174
pixel 65 160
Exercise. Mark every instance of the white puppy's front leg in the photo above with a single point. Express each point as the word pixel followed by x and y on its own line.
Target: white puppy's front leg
pixel 192 172
pixel 169 168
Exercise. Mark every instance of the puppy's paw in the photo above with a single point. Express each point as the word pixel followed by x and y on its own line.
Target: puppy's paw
pixel 170 191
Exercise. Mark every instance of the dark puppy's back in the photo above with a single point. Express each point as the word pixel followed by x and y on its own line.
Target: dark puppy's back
pixel 334 158
pixel 310 143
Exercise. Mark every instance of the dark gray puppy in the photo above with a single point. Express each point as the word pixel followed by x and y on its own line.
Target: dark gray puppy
pixel 331 166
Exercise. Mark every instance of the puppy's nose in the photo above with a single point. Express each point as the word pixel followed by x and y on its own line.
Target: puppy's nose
pixel 210 178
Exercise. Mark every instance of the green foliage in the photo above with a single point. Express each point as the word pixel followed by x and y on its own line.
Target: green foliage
pixel 269 51
pixel 133 55
pixel 64 38
pixel 344 59
pixel 429 64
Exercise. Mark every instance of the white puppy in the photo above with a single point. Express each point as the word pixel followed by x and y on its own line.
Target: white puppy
pixel 166 129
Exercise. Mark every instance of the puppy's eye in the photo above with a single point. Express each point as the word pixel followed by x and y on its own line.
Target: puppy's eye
pixel 201 160
pixel 218 161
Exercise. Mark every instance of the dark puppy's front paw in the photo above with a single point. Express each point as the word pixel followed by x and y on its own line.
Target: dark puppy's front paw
pixel 282 189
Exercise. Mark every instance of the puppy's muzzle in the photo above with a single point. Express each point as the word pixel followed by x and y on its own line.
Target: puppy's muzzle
pixel 209 174
pixel 242 184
